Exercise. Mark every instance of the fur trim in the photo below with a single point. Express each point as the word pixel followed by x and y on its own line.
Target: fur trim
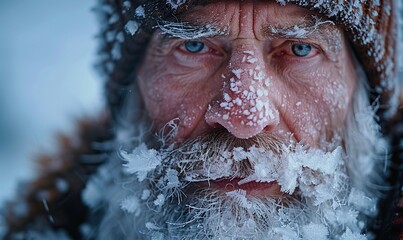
pixel 54 198
pixel 391 207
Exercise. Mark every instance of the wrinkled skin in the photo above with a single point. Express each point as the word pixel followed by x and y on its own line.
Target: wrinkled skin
pixel 250 80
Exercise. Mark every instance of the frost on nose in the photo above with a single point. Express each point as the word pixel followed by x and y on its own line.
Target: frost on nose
pixel 244 106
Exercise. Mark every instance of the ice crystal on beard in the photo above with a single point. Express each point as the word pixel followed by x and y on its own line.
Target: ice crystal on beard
pixel 265 165
pixel 343 215
pixel 239 154
pixel 239 197
pixel 349 235
pixel 172 179
pixel 140 161
pixel 160 200
pixel 362 202
pixel 285 233
pixel 168 132
pixel 151 226
pixel 221 169
pixel 311 171
pixel 131 205
pixel 314 231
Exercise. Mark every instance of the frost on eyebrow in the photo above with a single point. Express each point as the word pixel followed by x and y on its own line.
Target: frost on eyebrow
pixel 188 31
pixel 298 31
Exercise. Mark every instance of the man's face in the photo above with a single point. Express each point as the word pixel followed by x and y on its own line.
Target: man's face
pixel 259 94
pixel 267 68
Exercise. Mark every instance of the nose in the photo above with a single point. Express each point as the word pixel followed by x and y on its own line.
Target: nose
pixel 244 105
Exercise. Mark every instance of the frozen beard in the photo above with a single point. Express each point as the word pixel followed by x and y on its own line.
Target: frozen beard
pixel 270 190
pixel 220 187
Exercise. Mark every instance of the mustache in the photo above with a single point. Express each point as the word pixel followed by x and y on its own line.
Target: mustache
pixel 222 139
pixel 210 154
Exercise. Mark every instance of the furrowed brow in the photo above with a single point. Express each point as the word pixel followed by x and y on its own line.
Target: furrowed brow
pixel 302 30
pixel 189 31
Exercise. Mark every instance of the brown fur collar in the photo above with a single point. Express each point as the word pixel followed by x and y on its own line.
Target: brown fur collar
pixel 392 205
pixel 54 198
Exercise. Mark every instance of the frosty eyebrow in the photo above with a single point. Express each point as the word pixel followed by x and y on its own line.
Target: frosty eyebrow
pixel 322 32
pixel 302 30
pixel 189 31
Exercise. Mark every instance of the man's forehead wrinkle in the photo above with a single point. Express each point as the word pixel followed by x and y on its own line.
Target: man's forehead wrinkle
pixel 197 16
pixel 278 22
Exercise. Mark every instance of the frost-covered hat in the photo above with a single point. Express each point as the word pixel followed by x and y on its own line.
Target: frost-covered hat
pixel 371 27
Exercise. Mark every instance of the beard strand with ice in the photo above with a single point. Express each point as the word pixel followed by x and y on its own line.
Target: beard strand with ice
pixel 326 193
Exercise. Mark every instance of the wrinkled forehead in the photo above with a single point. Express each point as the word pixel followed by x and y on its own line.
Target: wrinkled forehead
pixel 263 17
pixel 224 11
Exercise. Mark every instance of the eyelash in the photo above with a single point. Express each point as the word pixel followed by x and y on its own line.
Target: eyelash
pixel 207 47
pixel 286 49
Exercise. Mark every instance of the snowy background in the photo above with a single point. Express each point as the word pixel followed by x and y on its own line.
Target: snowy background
pixel 47 79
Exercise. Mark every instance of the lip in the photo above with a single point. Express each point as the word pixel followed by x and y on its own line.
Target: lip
pixel 258 189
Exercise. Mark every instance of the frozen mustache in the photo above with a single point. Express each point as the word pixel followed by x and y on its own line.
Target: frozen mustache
pixel 263 158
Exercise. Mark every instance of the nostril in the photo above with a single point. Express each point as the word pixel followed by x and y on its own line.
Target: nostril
pixel 214 124
pixel 268 128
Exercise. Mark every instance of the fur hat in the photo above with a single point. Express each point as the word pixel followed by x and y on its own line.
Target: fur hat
pixel 371 27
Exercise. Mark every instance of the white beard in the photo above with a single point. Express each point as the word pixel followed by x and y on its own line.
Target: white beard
pixel 149 195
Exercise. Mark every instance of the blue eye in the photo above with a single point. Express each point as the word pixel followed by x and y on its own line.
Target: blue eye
pixel 194 46
pixel 301 49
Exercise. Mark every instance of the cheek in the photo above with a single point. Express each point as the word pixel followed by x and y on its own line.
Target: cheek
pixel 315 102
pixel 164 100
pixel 182 94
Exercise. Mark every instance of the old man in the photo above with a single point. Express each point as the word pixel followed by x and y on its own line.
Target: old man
pixel 232 120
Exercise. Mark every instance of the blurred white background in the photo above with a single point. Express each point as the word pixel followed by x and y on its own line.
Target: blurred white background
pixel 47 79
